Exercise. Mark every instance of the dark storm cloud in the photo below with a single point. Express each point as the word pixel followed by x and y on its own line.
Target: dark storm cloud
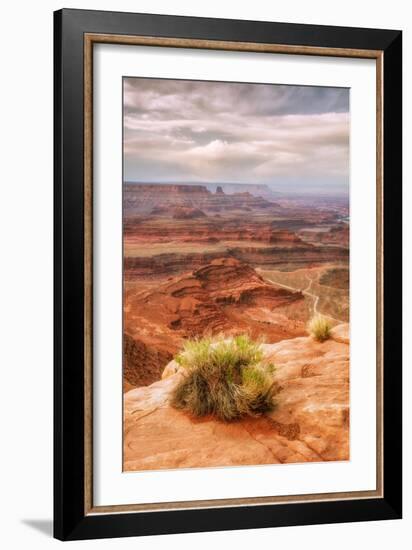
pixel 187 130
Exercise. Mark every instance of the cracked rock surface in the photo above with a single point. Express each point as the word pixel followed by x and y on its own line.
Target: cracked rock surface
pixel 310 422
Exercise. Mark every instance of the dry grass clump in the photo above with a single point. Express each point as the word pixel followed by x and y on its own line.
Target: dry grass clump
pixel 319 327
pixel 225 378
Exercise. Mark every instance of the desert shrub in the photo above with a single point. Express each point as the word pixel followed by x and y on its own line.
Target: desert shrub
pixel 319 327
pixel 225 378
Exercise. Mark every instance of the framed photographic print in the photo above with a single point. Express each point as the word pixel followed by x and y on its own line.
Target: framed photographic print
pixel 227 274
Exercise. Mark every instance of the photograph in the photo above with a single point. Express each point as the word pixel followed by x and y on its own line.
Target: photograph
pixel 236 287
pixel 227 273
pixel 203 275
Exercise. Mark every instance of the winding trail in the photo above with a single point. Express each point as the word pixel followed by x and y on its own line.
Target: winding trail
pixel 306 292
pixel 316 299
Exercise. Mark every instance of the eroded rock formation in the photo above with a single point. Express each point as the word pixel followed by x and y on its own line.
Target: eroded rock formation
pixel 143 198
pixel 309 424
pixel 224 296
pixel 278 256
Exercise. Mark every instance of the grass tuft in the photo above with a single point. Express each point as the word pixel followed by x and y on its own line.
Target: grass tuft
pixel 319 327
pixel 225 378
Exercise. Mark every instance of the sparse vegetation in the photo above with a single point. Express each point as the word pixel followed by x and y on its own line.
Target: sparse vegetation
pixel 319 327
pixel 225 378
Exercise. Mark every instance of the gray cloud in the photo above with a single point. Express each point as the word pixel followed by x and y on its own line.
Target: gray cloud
pixel 177 130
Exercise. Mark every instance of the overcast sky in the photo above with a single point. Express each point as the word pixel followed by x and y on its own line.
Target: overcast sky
pixel 193 131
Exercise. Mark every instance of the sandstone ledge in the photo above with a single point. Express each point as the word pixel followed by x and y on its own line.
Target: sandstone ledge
pixel 309 423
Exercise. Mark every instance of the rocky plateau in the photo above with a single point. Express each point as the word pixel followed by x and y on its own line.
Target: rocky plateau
pixel 310 422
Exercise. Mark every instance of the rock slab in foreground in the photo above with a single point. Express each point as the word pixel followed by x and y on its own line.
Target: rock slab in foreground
pixel 309 424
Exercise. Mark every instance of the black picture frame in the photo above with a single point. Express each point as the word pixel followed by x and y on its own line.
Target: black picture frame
pixel 71 522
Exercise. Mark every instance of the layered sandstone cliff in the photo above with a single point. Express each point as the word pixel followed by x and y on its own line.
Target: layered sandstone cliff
pixel 223 296
pixel 144 198
pixel 271 256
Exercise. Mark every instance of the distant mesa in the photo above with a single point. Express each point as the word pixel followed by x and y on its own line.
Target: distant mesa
pixel 164 199
pixel 255 189
pixel 169 188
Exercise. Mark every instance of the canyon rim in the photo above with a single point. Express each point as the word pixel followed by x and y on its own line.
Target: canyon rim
pixel 235 224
